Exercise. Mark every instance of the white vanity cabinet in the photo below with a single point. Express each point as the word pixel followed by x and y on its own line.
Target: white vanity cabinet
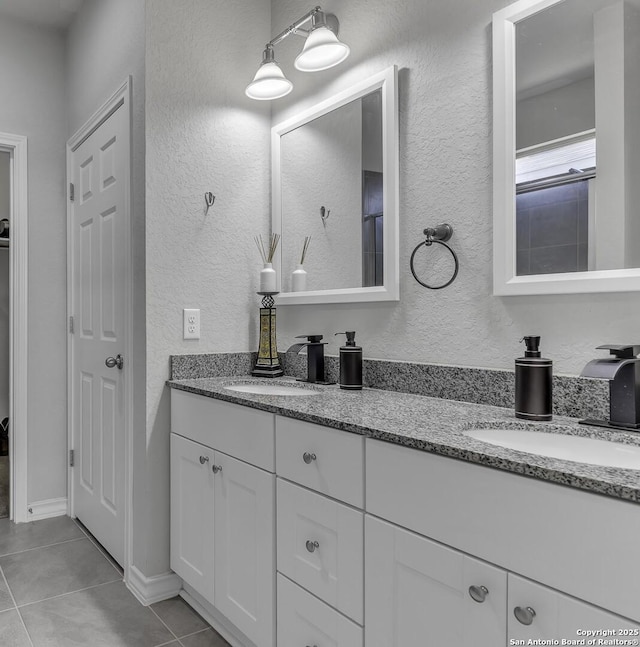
pixel 418 593
pixel 552 614
pixel 447 526
pixel 223 510
pixel 320 538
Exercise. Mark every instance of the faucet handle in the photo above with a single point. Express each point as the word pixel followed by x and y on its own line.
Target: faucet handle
pixel 314 339
pixel 621 351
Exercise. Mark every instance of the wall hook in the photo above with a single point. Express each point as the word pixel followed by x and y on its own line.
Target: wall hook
pixel 324 214
pixel 209 199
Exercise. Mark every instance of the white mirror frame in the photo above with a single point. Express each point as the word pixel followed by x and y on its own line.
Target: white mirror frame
pixel 390 290
pixel 505 280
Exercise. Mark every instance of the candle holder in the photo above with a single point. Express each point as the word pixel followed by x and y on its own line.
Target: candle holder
pixel 268 362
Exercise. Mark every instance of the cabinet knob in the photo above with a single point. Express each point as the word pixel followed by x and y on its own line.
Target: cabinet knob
pixel 478 593
pixel 216 468
pixel 204 459
pixel 524 615
pixel 312 545
pixel 307 457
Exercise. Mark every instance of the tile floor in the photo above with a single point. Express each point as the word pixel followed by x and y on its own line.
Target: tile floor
pixel 59 589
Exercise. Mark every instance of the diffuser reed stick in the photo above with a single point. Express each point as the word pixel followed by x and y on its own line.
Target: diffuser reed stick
pixel 267 253
pixel 305 247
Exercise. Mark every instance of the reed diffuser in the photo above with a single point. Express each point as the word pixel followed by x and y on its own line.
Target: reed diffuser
pixel 299 275
pixel 268 283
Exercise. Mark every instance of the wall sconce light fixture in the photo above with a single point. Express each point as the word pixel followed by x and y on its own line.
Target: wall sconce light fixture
pixel 321 50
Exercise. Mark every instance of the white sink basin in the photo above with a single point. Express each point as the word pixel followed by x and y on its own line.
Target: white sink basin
pixel 271 388
pixel 557 445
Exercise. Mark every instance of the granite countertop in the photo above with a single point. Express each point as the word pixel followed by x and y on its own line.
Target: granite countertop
pixel 434 425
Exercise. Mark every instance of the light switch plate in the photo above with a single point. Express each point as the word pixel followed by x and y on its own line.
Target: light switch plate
pixel 191 323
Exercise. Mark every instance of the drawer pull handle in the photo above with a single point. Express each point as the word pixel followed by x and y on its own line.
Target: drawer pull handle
pixel 312 546
pixel 216 468
pixel 307 457
pixel 524 615
pixel 478 593
pixel 204 459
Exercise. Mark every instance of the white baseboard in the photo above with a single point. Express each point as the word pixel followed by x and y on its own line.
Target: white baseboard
pixel 46 509
pixel 149 590
pixel 232 635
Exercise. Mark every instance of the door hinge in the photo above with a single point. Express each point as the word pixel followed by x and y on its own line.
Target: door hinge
pixel 71 458
pixel 72 192
pixel 71 324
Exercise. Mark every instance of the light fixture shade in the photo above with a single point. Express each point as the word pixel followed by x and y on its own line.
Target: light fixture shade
pixel 269 83
pixel 321 50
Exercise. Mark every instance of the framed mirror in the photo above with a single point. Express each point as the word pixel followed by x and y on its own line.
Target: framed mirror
pixel 566 147
pixel 335 180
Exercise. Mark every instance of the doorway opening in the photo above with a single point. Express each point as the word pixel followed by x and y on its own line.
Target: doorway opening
pixel 13 327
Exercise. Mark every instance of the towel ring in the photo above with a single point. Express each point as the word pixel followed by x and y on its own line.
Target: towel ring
pixel 439 235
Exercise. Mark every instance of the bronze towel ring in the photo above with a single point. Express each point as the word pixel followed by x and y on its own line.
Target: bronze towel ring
pixel 440 235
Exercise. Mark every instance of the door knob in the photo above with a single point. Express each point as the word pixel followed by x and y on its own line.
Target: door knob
pixel 112 362
pixel 308 457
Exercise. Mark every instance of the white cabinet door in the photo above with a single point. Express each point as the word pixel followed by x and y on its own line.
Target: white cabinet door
pixel 192 515
pixel 245 548
pixel 537 612
pixel 417 593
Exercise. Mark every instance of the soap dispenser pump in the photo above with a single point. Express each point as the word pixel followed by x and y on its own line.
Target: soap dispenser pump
pixel 350 363
pixel 534 376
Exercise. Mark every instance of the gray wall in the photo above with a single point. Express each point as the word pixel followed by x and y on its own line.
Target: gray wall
pixel 443 50
pixel 33 104
pixel 202 134
pixel 105 46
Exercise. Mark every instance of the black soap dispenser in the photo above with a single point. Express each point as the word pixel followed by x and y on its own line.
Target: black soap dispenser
pixel 350 362
pixel 534 376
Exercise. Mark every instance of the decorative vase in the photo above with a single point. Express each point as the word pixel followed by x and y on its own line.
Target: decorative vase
pixel 268 278
pixel 299 279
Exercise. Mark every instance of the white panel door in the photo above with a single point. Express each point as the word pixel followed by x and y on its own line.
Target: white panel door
pixel 192 514
pixel 99 218
pixel 245 548
pixel 536 612
pixel 417 593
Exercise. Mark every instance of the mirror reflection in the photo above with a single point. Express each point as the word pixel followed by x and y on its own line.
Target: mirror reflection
pixel 577 91
pixel 331 184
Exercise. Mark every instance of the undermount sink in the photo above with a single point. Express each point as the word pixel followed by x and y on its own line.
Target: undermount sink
pixel 272 388
pixel 558 445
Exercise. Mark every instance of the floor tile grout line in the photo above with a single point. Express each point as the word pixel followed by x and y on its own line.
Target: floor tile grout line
pixel 193 633
pixel 26 550
pixel 95 542
pixel 163 622
pixel 15 605
pixel 61 595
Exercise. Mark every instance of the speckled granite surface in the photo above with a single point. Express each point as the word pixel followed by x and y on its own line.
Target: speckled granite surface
pixel 572 396
pixel 434 425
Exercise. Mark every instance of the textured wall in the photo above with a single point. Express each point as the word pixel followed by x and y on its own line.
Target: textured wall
pixel 32 81
pixel 203 134
pixel 443 50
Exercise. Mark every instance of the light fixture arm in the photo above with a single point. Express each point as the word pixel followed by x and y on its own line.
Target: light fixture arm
pixel 316 16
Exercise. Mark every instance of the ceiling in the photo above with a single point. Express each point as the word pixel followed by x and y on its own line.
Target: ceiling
pixel 49 13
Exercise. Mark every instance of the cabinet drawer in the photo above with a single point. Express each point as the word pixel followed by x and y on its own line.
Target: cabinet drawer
pixel 547 532
pixel 334 459
pixel 305 620
pixel 332 569
pixel 239 431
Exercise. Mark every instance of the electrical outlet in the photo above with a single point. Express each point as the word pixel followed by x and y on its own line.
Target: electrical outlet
pixel 191 323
